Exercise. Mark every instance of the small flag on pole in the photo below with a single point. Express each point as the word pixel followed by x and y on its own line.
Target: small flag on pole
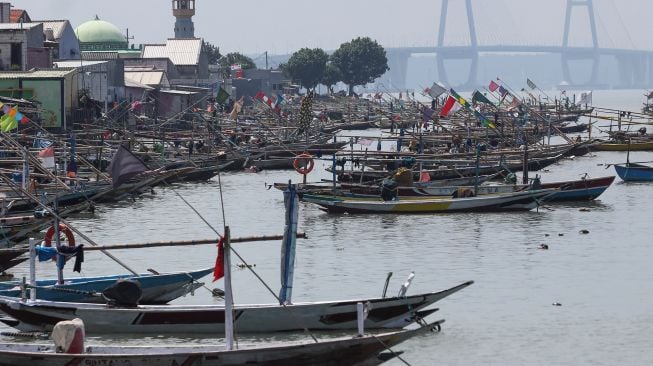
pixel 493 86
pixel 47 157
pixel 124 166
pixel 530 83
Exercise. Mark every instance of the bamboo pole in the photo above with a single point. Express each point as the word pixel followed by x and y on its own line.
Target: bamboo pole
pixel 181 243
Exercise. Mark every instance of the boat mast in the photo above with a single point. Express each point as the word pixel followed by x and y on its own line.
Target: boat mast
pixel 228 295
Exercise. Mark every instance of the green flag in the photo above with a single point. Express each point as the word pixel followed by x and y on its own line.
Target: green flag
pixel 8 123
pixel 478 97
pixel 222 96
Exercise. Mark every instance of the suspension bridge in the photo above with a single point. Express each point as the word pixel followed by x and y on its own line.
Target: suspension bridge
pixel 634 67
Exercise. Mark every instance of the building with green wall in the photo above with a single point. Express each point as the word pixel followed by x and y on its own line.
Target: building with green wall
pixel 55 90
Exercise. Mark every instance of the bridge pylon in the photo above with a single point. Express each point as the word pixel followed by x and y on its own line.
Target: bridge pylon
pixel 591 53
pixel 464 53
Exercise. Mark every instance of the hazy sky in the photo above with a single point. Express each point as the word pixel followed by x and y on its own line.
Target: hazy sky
pixel 283 26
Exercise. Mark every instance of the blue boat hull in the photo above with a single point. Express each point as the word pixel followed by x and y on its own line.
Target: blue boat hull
pixel 634 173
pixel 157 289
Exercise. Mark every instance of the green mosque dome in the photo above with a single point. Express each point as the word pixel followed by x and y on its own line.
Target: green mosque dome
pixel 99 35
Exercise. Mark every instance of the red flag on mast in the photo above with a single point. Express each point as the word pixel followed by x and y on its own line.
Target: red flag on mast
pixel 218 271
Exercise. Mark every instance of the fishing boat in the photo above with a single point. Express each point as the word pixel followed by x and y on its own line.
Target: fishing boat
pixel 389 313
pixel 517 201
pixel 10 257
pixel 625 146
pixel 156 288
pixel 573 190
pixel 344 351
pixel 634 172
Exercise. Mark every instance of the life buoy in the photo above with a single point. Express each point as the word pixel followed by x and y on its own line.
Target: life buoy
pixel 63 229
pixel 303 163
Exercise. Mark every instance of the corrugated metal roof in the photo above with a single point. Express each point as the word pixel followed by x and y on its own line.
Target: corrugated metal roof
pixel 36 74
pixel 179 92
pixel 76 63
pixel 146 77
pixel 17 26
pixel 179 51
pixel 57 26
pixel 132 84
pixel 154 51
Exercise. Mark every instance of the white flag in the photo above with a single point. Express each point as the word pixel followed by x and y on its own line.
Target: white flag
pixel 437 90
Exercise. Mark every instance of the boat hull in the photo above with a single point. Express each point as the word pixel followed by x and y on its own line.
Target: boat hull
pixel 518 201
pixel 157 289
pixel 391 313
pixel 346 351
pixel 634 172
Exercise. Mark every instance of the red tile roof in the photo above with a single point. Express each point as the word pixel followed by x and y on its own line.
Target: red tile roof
pixel 17 14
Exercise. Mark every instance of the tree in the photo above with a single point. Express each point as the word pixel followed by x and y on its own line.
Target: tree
pixel 360 61
pixel 235 58
pixel 306 66
pixel 212 52
pixel 332 76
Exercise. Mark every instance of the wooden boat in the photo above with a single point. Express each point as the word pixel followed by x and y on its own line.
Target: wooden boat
pixel 517 201
pixel 344 351
pixel 617 146
pixel 581 189
pixel 157 289
pixel 634 172
pixel 10 257
pixel 391 312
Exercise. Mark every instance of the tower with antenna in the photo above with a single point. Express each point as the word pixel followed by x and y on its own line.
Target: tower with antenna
pixel 184 10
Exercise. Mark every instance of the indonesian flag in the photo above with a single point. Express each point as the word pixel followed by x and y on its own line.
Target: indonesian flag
pixel 47 157
pixel 450 106
pixel 218 271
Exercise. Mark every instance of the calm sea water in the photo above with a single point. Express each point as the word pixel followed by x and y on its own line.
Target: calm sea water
pixel 602 279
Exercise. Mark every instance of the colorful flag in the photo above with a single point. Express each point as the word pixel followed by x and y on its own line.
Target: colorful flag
pixel 448 107
pixel 8 123
pixel 47 157
pixel 531 84
pixel 493 86
pixel 437 90
pixel 486 122
pixel 503 91
pixel 218 271
pixel 278 101
pixel 124 166
pixel 478 97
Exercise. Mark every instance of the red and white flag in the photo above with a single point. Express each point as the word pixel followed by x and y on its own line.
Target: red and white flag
pixel 261 96
pixel 449 107
pixel 47 157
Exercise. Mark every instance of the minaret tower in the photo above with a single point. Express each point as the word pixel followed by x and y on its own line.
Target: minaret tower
pixel 184 10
